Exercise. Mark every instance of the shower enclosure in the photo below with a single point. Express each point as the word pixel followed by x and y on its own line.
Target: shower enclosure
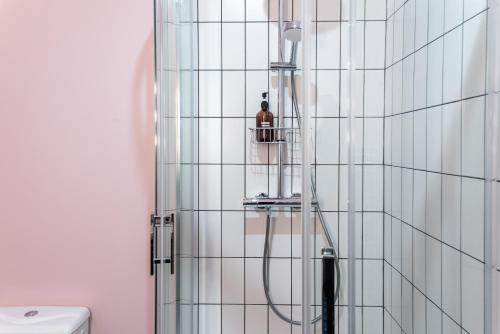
pixel 383 155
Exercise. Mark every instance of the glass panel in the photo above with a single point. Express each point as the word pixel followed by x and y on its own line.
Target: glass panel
pixel 174 50
pixel 328 216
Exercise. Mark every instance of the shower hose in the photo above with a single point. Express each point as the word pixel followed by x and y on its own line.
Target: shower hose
pixel 268 240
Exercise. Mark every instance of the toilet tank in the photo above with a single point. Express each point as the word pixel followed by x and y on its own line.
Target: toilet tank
pixel 44 320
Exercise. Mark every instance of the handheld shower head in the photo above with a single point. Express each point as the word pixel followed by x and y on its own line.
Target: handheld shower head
pixel 292 31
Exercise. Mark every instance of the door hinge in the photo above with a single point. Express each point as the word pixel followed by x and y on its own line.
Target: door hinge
pixel 158 226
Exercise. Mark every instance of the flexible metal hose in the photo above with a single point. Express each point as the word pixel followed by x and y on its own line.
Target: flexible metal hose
pixel 267 242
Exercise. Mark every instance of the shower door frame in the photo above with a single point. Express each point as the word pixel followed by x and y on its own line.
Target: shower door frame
pixel 172 261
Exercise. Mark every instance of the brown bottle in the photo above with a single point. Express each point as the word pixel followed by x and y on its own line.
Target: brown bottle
pixel 264 122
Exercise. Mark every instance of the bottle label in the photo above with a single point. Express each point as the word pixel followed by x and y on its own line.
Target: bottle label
pixel 265 124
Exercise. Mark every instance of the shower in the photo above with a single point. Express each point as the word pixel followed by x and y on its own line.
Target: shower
pixel 292 32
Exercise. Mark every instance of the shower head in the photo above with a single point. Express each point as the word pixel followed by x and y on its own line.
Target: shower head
pixel 292 31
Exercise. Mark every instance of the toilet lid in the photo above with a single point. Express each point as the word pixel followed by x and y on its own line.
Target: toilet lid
pixel 42 319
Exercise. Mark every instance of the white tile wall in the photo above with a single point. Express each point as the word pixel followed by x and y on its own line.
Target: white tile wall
pixel 436 244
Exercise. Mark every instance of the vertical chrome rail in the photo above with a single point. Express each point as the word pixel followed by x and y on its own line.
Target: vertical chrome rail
pixel 281 95
pixel 351 265
pixel 306 168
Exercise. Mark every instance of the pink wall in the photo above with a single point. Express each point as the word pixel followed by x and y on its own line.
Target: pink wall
pixel 76 166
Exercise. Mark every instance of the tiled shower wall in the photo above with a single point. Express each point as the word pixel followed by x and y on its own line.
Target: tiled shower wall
pixel 434 165
pixel 236 41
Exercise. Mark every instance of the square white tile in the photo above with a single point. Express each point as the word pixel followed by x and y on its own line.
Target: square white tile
pixel 328 42
pixel 372 188
pixel 433 270
pixel 209 10
pixel 254 289
pixel 372 282
pixel 233 94
pixel 407 140
pixel 453 15
pixel 419 260
pixel 434 136
pixel 436 19
pixel 409 28
pixel 406 251
pixel 373 321
pixel 473 217
pixel 210 280
pixel 407 196
pixel 419 316
pixel 451 283
pixel 396 296
pixel 374 39
pixel 433 205
pixel 408 80
pixel 373 140
pixel 257 10
pixel 257 46
pixel 397 97
pixel 419 199
pixel 327 186
pixel 233 10
pixel 233 140
pixel 327 141
pixel 209 45
pixel 474 56
pixel 407 307
pixel 374 93
pixel 233 275
pixel 389 42
pixel 396 192
pixel 433 318
pixel 451 210
pixel 452 71
pixel 209 234
pixel 472 295
pixel 209 99
pixel 373 235
pixel 328 10
pixel 452 139
pixel 210 140
pixel 420 83
pixel 327 100
pixel 210 187
pixel 233 234
pixel 209 319
pixel 254 315
pixel 398 35
pixel 474 7
pixel 473 137
pixel 396 140
pixel 233 187
pixel 233 46
pixel 449 326
pixel 233 319
pixel 420 139
pixel 435 73
pixel 421 22
pixel 375 10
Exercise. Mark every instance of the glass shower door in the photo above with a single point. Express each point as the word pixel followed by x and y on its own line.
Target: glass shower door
pixel 329 262
pixel 173 219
